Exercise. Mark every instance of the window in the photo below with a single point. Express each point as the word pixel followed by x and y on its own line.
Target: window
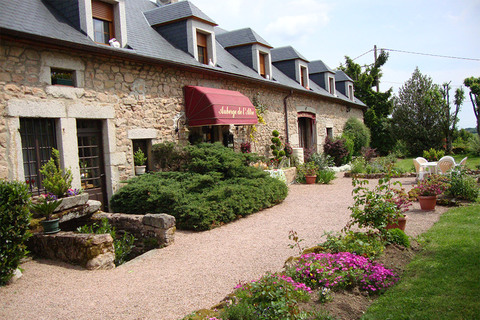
pixel 102 21
pixel 262 67
pixel 331 85
pixel 38 139
pixel 330 133
pixel 202 48
pixel 62 77
pixel 303 80
pixel 350 92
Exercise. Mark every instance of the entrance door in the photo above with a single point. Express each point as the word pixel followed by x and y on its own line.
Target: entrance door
pixel 90 154
pixel 307 134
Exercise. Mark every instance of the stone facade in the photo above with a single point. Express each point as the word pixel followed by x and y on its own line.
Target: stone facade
pixel 134 100
pixel 91 251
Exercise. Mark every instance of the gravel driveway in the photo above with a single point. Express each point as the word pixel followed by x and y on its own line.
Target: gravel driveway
pixel 197 271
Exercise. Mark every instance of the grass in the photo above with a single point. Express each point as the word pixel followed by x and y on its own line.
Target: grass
pixel 443 281
pixel 407 163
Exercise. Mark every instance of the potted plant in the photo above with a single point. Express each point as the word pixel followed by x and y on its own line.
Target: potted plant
pixel 400 199
pixel 139 160
pixel 45 207
pixel 309 169
pixel 428 189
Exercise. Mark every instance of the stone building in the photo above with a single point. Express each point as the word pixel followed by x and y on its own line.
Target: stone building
pixel 98 79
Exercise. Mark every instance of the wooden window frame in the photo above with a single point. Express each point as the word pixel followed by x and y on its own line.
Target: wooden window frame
pixel 350 91
pixel 202 46
pixel 331 85
pixel 303 77
pixel 103 12
pixel 262 68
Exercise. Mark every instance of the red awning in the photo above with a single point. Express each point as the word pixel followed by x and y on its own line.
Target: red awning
pixel 209 106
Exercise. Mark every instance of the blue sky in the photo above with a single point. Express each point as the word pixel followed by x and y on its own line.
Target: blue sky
pixel 329 30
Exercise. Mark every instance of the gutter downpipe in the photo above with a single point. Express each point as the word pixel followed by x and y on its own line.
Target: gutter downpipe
pixel 286 114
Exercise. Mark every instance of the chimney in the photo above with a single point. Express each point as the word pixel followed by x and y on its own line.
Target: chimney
pixel 165 2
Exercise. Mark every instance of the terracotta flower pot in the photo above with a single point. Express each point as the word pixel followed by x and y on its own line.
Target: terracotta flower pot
pixel 427 203
pixel 310 179
pixel 400 224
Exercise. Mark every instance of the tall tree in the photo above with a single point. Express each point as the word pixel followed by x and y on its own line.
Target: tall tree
pixel 474 85
pixel 380 104
pixel 417 114
pixel 450 119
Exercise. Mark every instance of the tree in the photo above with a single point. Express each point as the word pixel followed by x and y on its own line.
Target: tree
pixel 450 120
pixel 474 85
pixel 417 114
pixel 380 104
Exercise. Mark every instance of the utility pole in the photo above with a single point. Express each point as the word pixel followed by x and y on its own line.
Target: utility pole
pixel 375 57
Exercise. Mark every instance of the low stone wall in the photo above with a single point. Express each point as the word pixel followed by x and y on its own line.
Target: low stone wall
pixel 291 174
pixel 151 231
pixel 92 251
pixel 377 175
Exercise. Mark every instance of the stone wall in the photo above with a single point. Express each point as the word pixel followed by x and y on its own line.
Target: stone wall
pixel 134 100
pixel 151 231
pixel 91 251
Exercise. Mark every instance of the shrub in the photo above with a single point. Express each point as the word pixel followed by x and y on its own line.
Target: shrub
pixel 218 188
pixel 14 222
pixel 55 180
pixel 368 153
pixel 139 158
pixel 246 147
pixel 168 156
pixel 322 160
pixel 325 176
pixel 336 149
pixel 462 186
pixel 433 155
pixel 360 243
pixel 349 144
pixel 359 165
pixel 358 132
pixel 397 236
pixel 400 150
pixel 123 245
pixel 278 148
pixel 271 297
pixel 474 145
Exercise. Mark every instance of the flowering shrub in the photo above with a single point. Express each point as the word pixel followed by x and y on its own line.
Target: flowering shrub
pixel 245 147
pixel 432 185
pixel 341 270
pixel 336 149
pixel 74 192
pixel 271 297
pixel 363 244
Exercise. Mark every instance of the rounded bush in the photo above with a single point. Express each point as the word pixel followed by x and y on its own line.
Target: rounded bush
pixel 14 221
pixel 358 132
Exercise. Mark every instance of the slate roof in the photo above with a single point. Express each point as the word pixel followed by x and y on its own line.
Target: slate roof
pixel 286 53
pixel 240 37
pixel 341 76
pixel 174 12
pixel 37 20
pixel 318 66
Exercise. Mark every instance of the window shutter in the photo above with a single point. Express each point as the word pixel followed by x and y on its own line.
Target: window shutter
pixel 201 40
pixel 262 64
pixel 102 10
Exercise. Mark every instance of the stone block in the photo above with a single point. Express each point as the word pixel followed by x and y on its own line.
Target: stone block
pixel 160 220
pixel 74 201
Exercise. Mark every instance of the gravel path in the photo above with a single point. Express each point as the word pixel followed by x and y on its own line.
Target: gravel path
pixel 197 271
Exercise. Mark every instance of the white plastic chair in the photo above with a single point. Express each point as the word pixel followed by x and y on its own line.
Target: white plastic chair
pixel 463 162
pixel 445 164
pixel 419 169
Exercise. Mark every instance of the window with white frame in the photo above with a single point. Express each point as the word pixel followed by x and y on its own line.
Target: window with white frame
pixel 331 85
pixel 304 76
pixel 350 92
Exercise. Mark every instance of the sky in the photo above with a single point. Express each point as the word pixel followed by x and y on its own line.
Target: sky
pixel 331 30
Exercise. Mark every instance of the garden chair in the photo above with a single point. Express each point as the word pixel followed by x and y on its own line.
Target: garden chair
pixel 445 164
pixel 422 160
pixel 419 169
pixel 463 163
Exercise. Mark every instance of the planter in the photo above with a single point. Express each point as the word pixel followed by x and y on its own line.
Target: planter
pixel 427 203
pixel 311 179
pixel 400 224
pixel 50 226
pixel 139 170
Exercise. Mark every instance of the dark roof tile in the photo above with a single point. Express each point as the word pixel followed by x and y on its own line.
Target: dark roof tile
pixel 240 37
pixel 174 12
pixel 286 53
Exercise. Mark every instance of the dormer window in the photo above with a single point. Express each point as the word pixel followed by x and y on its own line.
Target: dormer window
pixel 103 24
pixel 262 70
pixel 202 50
pixel 331 85
pixel 350 92
pixel 303 77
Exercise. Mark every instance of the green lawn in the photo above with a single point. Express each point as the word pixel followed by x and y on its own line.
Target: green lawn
pixel 443 281
pixel 407 163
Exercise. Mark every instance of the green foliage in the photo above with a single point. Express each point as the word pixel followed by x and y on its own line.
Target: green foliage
pixel 218 187
pixel 123 244
pixel 350 145
pixel 462 186
pixel 325 176
pixel 359 133
pixel 379 104
pixel 433 155
pixel 417 114
pixel 363 244
pixel 400 150
pixel 322 160
pixel 474 145
pixel 55 180
pixel 46 208
pixel 278 149
pixel 359 165
pixel 474 85
pixel 139 158
pixel 168 156
pixel 14 222
pixel 271 297
pixel 397 236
